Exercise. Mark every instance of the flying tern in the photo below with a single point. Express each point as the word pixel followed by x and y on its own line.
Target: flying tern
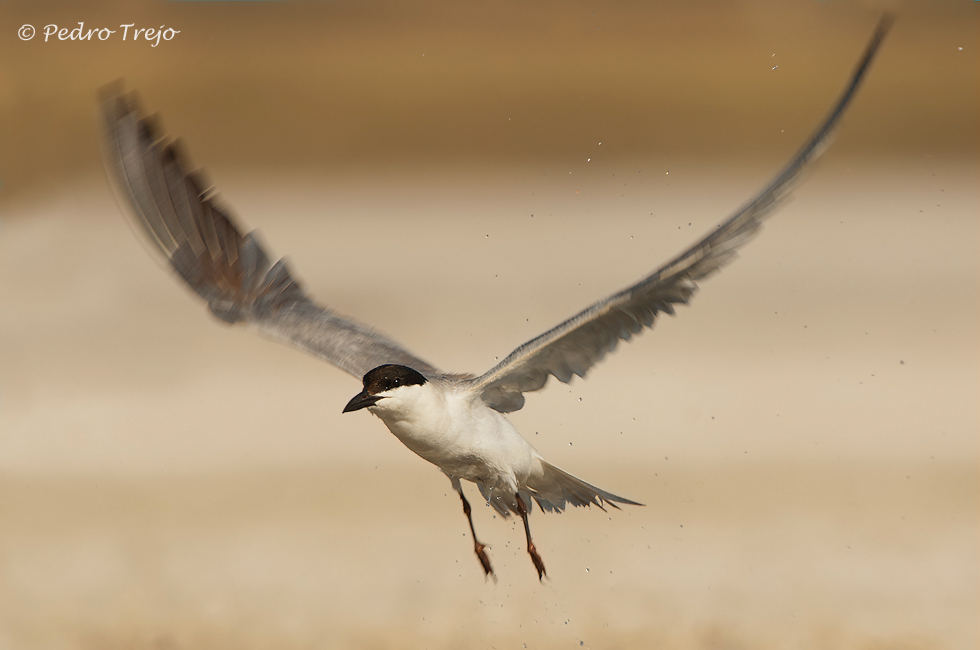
pixel 455 421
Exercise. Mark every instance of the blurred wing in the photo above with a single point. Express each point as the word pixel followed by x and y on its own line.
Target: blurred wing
pixel 574 346
pixel 229 270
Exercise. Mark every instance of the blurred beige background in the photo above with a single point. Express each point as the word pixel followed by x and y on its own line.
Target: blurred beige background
pixel 805 436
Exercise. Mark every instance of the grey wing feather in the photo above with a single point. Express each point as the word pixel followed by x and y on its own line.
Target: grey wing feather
pixel 229 270
pixel 580 342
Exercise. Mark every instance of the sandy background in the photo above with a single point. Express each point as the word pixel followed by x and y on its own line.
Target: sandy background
pixel 805 436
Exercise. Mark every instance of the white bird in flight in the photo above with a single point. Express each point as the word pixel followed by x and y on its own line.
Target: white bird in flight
pixel 454 421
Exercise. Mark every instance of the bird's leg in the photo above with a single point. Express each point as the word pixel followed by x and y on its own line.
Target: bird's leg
pixel 479 548
pixel 533 552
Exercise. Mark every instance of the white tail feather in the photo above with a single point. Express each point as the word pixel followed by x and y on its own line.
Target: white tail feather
pixel 553 488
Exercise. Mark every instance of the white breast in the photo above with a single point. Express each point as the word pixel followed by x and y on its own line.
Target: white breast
pixel 457 432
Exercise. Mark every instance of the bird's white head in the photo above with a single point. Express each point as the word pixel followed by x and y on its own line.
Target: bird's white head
pixel 388 383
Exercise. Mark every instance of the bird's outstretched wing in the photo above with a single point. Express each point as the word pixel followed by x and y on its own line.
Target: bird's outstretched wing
pixel 574 346
pixel 228 269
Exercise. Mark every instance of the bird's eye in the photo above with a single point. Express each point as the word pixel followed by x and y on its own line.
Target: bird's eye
pixel 397 381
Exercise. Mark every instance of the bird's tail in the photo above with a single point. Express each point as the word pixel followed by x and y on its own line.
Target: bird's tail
pixel 553 488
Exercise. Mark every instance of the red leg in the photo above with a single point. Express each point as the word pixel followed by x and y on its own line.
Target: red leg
pixel 479 548
pixel 533 552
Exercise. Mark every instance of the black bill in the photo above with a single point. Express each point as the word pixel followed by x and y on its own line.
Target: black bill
pixel 362 400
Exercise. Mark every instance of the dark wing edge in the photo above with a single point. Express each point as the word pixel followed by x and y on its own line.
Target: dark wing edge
pixel 580 342
pixel 183 217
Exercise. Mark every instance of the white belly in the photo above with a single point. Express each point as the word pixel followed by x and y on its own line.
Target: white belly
pixel 461 435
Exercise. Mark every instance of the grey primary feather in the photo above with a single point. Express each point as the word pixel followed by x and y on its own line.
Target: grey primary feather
pixel 229 270
pixel 233 274
pixel 580 342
